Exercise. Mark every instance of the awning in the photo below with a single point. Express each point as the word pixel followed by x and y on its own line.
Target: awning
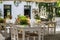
pixel 34 0
pixel 50 1
pixel 42 0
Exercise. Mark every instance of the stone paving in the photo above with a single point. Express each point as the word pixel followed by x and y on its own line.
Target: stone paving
pixel 52 37
pixel 57 35
pixel 1 37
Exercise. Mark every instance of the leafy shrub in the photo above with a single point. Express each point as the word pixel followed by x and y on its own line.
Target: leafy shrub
pixel 23 20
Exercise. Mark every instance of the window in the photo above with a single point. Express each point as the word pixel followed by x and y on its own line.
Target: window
pixel 27 10
pixel 7 11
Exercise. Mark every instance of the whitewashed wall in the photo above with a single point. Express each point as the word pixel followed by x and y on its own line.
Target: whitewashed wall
pixel 16 10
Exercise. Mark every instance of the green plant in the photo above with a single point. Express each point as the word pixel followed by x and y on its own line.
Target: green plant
pixel 23 20
pixel 37 17
pixel 50 16
pixel 1 20
pixel 58 3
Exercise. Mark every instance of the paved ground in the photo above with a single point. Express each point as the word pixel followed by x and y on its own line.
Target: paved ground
pixel 57 35
pixel 1 37
pixel 4 36
pixel 52 37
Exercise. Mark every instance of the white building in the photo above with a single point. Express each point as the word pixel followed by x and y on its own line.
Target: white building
pixel 17 8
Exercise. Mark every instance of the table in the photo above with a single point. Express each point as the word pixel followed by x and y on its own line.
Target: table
pixel 41 32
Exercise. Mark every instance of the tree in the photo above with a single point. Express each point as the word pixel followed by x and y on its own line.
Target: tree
pixel 58 3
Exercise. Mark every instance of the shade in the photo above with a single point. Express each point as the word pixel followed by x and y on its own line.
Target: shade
pixel 0 0
pixel 42 0
pixel 34 0
pixel 50 0
pixel 6 0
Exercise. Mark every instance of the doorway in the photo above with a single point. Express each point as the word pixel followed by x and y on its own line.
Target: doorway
pixel 7 11
pixel 27 10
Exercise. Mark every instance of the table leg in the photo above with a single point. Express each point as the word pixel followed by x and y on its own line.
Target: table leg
pixel 34 38
pixel 23 35
pixel 54 30
pixel 39 35
pixel 27 38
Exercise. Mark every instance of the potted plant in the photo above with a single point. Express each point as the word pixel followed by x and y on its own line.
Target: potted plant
pixel 22 20
pixel 37 18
